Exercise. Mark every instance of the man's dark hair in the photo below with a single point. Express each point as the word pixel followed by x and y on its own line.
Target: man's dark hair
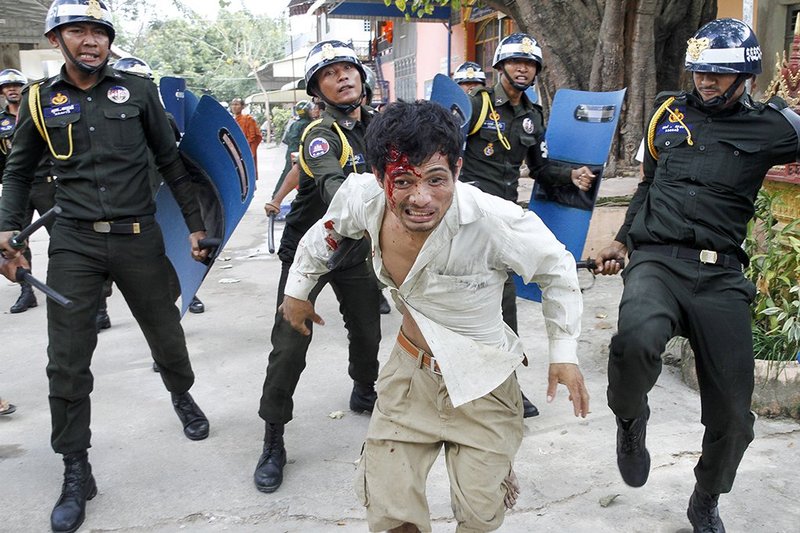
pixel 418 130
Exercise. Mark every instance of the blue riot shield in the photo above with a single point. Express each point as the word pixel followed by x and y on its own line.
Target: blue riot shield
pixel 218 157
pixel 172 95
pixel 190 102
pixel 580 132
pixel 450 95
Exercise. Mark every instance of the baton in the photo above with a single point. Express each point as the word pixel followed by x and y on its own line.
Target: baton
pixel 271 233
pixel 18 240
pixel 24 275
pixel 209 242
pixel 591 264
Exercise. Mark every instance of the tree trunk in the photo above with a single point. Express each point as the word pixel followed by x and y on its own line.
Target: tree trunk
pixel 603 45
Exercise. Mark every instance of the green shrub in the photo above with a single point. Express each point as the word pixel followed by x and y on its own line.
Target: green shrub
pixel 280 117
pixel 774 251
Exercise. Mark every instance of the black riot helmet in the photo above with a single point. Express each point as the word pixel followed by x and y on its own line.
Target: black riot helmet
pixel 327 53
pixel 63 12
pixel 724 46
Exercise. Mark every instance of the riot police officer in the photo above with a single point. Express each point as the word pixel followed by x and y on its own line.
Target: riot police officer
pixel 331 148
pixel 305 111
pixel 505 129
pixel 469 75
pixel 708 152
pixel 98 124
pixel 43 188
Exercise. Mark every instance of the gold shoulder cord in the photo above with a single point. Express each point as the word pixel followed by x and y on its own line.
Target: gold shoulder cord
pixel 651 129
pixel 347 150
pixel 3 147
pixel 485 108
pixel 35 104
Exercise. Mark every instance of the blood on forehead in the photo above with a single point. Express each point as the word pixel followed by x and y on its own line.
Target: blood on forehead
pixel 397 164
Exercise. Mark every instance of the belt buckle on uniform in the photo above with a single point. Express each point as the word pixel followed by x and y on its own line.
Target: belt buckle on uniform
pixel 708 256
pixel 102 226
pixel 136 228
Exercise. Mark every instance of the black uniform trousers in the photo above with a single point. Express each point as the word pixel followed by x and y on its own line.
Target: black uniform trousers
pixel 710 305
pixel 356 289
pixel 42 199
pixel 80 262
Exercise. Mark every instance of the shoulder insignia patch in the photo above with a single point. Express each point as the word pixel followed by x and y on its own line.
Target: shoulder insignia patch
pixel 318 147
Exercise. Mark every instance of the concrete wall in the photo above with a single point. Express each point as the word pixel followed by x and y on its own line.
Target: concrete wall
pixel 771 29
pixel 431 54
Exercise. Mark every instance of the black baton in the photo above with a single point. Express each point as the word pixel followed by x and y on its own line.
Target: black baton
pixel 209 242
pixel 18 240
pixel 24 275
pixel 591 264
pixel 271 233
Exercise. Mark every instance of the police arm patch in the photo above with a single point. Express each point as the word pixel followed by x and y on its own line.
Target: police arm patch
pixel 318 147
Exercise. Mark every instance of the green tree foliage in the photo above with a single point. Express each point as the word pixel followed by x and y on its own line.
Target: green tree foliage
pixel 215 57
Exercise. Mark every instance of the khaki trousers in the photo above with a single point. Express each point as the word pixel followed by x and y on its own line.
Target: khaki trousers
pixel 413 419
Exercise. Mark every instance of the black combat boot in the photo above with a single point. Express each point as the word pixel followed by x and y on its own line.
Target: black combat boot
pixel 79 486
pixel 103 321
pixel 195 423
pixel 363 397
pixel 269 470
pixel 633 459
pixel 528 409
pixel 26 299
pixel 703 512
pixel 197 306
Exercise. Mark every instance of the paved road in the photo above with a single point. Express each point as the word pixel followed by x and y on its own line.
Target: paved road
pixel 151 478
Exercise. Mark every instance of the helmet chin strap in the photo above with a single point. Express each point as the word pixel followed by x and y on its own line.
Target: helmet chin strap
pixel 718 102
pixel 520 87
pixel 83 67
pixel 344 108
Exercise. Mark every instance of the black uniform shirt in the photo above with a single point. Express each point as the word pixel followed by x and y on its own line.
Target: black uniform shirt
pixel 106 177
pixel 702 195
pixel 8 121
pixel 322 148
pixel 487 163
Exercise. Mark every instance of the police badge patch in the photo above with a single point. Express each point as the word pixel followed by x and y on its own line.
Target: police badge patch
pixel 527 125
pixel 118 94
pixel 489 150
pixel 318 147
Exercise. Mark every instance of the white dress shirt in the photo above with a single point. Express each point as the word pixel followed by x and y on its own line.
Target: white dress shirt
pixel 454 288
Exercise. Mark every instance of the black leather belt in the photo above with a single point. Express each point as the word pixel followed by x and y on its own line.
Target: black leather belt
pixel 703 256
pixel 120 226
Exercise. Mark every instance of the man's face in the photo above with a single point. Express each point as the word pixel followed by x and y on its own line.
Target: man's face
pixel 12 92
pixel 340 82
pixel 86 41
pixel 236 107
pixel 521 71
pixel 710 85
pixel 419 196
pixel 467 86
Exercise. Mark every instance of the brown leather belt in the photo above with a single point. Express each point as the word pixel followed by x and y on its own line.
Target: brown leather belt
pixel 421 356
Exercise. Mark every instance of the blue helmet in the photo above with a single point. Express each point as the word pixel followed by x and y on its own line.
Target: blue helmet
pixel 12 76
pixel 134 65
pixel 469 72
pixel 724 46
pixel 326 53
pixel 63 12
pixel 518 45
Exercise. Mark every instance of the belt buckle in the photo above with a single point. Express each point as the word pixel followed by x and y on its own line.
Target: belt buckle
pixel 136 228
pixel 434 366
pixel 708 256
pixel 102 226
